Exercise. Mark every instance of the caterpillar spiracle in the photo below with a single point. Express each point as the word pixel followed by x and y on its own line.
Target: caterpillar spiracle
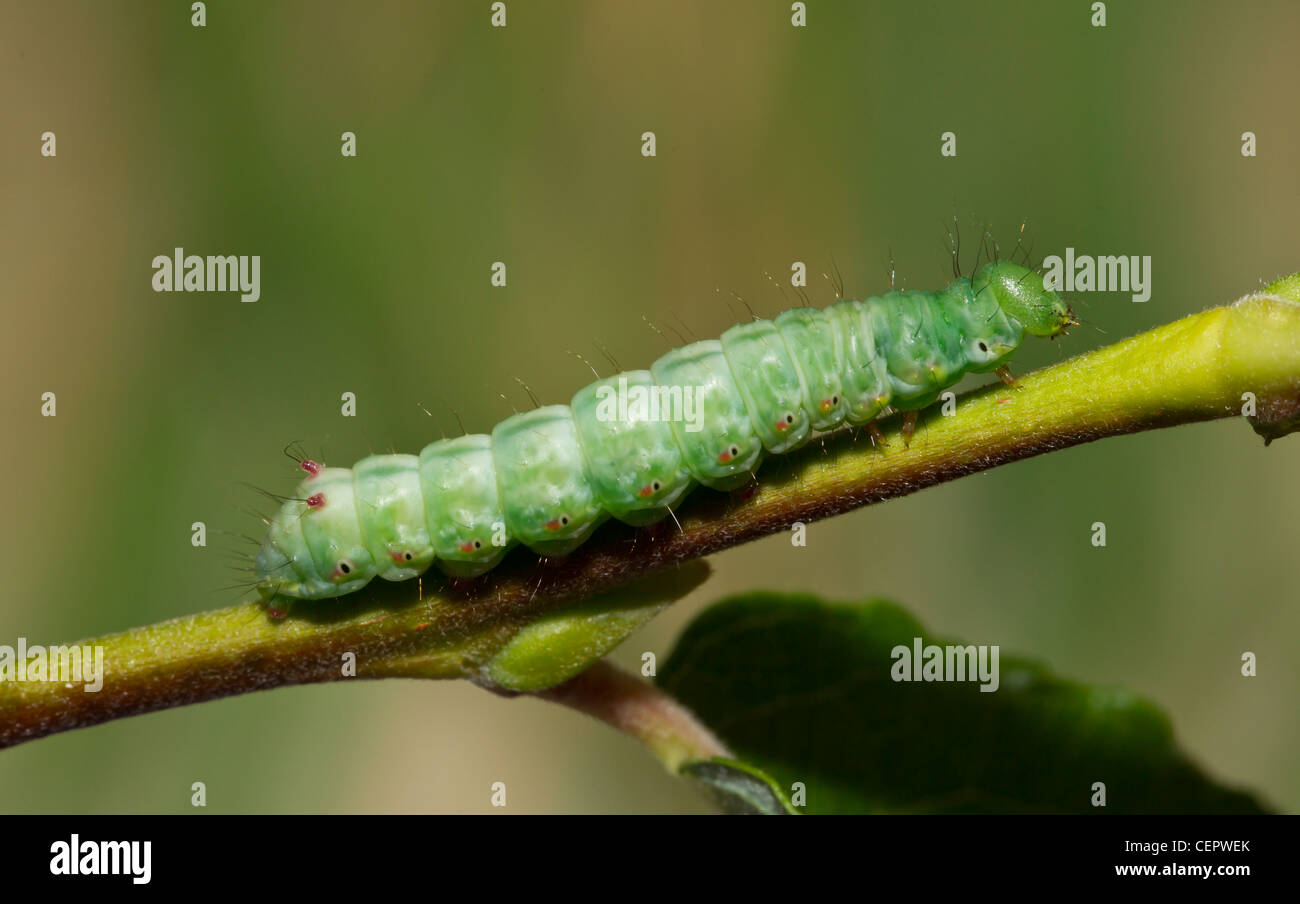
pixel 547 478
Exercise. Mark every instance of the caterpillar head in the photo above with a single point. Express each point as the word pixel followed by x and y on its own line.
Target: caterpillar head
pixel 1021 295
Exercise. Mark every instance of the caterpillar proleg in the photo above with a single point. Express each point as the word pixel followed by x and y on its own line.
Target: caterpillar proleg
pixel 547 478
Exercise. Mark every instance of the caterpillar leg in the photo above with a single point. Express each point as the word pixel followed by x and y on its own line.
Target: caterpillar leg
pixel 1005 375
pixel 909 426
pixel 877 437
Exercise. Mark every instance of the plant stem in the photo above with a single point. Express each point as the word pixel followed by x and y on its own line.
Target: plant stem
pixel 634 707
pixel 1195 369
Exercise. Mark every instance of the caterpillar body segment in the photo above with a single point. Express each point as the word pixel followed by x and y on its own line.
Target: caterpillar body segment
pixel 769 383
pixel 635 466
pixel 866 381
pixel 922 355
pixel 462 505
pixel 725 451
pixel 708 414
pixel 391 515
pixel 549 502
pixel 816 349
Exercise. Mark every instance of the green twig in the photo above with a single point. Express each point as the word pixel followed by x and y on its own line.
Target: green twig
pixel 493 632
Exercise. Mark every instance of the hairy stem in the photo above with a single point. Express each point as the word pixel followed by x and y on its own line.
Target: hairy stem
pixel 1195 369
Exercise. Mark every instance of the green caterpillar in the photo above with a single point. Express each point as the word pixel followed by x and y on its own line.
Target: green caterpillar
pixel 546 478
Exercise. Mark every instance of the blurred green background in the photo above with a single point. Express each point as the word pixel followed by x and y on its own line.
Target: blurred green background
pixel 522 144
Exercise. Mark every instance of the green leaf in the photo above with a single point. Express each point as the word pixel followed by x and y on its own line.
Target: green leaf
pixel 738 788
pixel 802 689
pixel 555 647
